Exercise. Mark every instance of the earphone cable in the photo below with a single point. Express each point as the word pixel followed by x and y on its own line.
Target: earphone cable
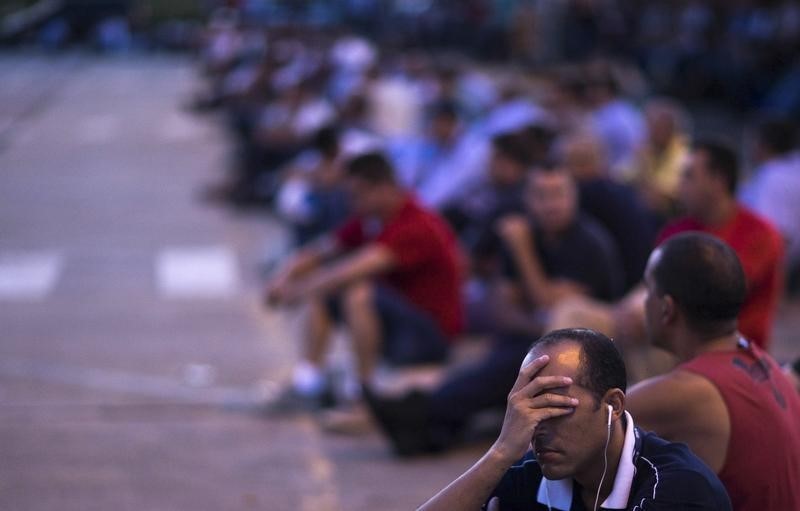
pixel 605 467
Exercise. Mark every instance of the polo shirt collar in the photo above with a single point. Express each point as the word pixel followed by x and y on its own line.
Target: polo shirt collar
pixel 560 491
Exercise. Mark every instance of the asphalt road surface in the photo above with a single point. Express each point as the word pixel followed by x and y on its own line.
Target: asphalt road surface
pixel 130 321
pixel 130 318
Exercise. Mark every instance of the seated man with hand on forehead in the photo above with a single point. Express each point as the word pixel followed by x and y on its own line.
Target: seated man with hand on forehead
pixel 567 410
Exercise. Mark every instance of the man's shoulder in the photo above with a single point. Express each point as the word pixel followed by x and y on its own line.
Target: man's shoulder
pixel 675 403
pixel 414 217
pixel 678 226
pixel 660 456
pixel 590 231
pixel 754 224
pixel 676 383
pixel 668 474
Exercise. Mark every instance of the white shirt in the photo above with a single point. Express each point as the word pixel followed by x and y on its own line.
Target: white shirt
pixel 774 192
pixel 621 127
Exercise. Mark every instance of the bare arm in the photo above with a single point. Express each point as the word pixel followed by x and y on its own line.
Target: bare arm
pixel 310 256
pixel 628 317
pixel 510 312
pixel 472 488
pixel 305 260
pixel 684 407
pixel 529 403
pixel 366 262
pixel 542 291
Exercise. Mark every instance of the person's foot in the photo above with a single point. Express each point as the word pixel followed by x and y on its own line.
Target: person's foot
pixel 291 402
pixel 405 421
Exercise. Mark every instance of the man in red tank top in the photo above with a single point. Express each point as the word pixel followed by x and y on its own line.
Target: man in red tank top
pixel 728 400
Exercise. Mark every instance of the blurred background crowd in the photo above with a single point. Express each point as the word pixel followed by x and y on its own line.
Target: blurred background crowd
pixel 609 89
pixel 557 140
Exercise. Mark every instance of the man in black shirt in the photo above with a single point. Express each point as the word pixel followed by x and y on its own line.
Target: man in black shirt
pixel 550 254
pixel 567 411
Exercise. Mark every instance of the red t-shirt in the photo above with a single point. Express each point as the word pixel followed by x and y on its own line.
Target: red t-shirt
pixel 428 269
pixel 762 466
pixel 760 249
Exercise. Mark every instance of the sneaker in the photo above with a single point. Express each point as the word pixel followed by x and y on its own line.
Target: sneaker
pixel 291 402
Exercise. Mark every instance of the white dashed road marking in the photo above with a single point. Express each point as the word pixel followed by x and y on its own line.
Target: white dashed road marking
pixel 199 272
pixel 28 275
pixel 178 127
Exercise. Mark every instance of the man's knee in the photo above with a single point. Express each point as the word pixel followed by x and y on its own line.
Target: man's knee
pixel 358 296
pixel 581 312
pixel 316 308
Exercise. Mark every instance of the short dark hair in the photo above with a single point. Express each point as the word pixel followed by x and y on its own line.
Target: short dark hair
pixel 372 168
pixel 778 134
pixel 601 364
pixel 326 140
pixel 512 147
pixel 704 277
pixel 722 161
pixel 550 169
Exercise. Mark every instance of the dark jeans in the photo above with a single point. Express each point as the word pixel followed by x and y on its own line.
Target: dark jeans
pixel 410 335
pixel 481 386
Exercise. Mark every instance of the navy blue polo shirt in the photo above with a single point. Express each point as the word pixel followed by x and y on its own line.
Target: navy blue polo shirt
pixel 653 474
pixel 585 254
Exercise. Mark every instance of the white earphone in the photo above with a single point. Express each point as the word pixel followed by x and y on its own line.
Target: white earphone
pixel 605 456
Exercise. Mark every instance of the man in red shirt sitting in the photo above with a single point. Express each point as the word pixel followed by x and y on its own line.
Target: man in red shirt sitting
pixel 392 273
pixel 707 194
pixel 707 191
pixel 728 400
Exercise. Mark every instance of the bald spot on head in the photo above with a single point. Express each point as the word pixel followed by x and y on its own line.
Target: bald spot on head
pixel 590 358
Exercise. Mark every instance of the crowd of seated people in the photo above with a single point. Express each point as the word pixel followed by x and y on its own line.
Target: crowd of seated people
pixel 434 199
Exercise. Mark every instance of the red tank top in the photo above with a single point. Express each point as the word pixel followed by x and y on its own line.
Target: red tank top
pixel 762 467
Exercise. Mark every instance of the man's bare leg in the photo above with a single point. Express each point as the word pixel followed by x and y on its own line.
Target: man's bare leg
pixel 365 327
pixel 308 376
pixel 317 333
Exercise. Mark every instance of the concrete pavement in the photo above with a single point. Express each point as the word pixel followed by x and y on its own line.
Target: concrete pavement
pixel 115 362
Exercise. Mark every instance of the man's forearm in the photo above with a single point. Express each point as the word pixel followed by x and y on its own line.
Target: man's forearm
pixel 536 283
pixel 367 262
pixel 310 257
pixel 470 491
pixel 326 280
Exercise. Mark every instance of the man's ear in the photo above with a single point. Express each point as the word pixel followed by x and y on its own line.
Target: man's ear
pixel 669 310
pixel 615 398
